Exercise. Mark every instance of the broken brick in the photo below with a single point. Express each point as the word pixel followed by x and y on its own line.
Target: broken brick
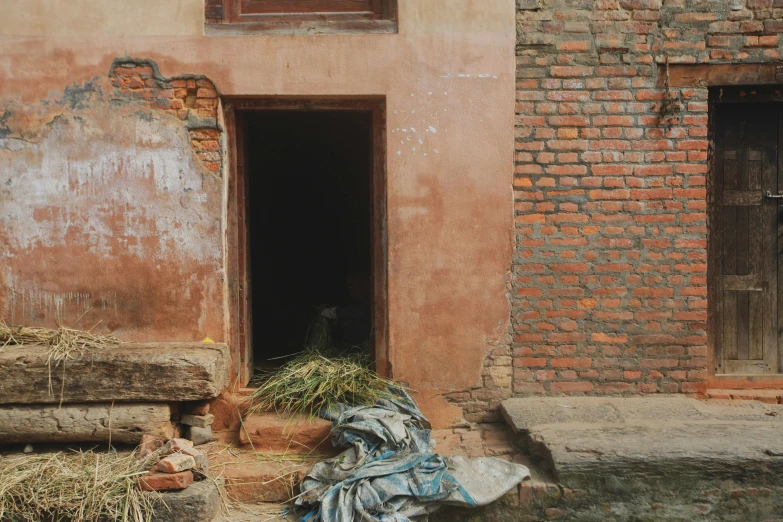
pixel 156 481
pixel 148 445
pixel 176 463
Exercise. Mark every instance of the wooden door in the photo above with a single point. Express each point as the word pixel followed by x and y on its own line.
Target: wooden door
pixel 745 229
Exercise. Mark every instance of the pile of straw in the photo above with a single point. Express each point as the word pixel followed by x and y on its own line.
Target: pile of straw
pixel 74 487
pixel 312 382
pixel 64 343
pixel 319 377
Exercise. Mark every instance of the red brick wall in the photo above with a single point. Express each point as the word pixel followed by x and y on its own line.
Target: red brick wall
pixel 609 277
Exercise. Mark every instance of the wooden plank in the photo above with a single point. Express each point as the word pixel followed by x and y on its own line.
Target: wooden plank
pixel 729 240
pixel 745 367
pixel 729 131
pixel 730 325
pixel 743 283
pixel 743 240
pixel 755 326
pixel 244 289
pixel 757 235
pixel 743 197
pixel 743 324
pixel 692 75
pixel 152 372
pixel 84 423
pixel 304 6
pixel 233 276
pixel 742 155
pixel 714 243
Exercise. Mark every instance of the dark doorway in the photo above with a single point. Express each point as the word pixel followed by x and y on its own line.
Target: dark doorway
pixel 309 211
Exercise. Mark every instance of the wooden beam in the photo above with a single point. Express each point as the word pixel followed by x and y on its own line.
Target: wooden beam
pixel 153 372
pixel 713 75
pixel 120 423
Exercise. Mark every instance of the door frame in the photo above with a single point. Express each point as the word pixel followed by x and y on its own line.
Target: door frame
pixel 238 298
pixel 725 95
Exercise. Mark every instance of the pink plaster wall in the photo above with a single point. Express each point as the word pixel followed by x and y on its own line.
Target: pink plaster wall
pixel 448 78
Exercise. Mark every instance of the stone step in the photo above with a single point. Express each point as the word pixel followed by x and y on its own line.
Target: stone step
pixel 151 372
pixel 275 433
pixel 253 478
pixel 579 438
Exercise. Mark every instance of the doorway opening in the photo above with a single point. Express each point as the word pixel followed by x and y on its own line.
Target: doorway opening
pixel 310 203
pixel 745 285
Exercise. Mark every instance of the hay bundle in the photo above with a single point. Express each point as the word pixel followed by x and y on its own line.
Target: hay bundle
pixel 74 487
pixel 313 381
pixel 64 343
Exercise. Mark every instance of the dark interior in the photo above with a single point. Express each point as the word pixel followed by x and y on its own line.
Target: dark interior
pixel 309 222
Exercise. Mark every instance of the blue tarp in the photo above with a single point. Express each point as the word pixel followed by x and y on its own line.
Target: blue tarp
pixel 388 472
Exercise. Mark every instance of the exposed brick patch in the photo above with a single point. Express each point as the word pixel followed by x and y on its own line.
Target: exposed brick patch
pixel 192 99
pixel 476 440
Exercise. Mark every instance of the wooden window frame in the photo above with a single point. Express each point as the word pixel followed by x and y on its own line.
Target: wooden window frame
pixel 227 17
pixel 239 297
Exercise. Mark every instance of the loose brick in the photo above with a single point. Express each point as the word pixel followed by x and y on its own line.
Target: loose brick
pixel 156 481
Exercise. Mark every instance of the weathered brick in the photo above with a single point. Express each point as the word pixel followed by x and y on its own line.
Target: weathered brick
pixel 156 481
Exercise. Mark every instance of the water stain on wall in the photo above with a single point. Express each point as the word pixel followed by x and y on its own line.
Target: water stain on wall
pixel 110 215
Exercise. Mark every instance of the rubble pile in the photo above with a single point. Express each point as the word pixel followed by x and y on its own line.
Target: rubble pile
pixel 180 462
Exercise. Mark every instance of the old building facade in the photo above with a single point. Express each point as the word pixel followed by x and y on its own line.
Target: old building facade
pixel 546 183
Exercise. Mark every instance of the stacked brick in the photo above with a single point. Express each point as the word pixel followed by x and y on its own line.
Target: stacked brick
pixel 193 100
pixel 609 290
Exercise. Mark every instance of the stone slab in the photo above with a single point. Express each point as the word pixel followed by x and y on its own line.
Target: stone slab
pixel 84 423
pixel 152 372
pixel 587 440
pixel 524 413
pixel 199 502
pixel 252 478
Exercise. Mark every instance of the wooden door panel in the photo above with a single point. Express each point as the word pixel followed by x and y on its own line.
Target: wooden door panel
pixel 747 229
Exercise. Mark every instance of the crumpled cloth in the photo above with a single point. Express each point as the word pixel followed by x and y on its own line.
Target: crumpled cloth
pixel 388 472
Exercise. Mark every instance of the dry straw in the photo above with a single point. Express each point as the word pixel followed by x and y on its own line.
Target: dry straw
pixel 74 487
pixel 64 344
pixel 319 378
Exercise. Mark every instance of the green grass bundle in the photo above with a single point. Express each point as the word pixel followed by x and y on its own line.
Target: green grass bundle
pixel 313 381
pixel 74 487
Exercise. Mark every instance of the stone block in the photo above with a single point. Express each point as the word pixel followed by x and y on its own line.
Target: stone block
pixel 199 436
pixel 199 421
pixel 200 502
